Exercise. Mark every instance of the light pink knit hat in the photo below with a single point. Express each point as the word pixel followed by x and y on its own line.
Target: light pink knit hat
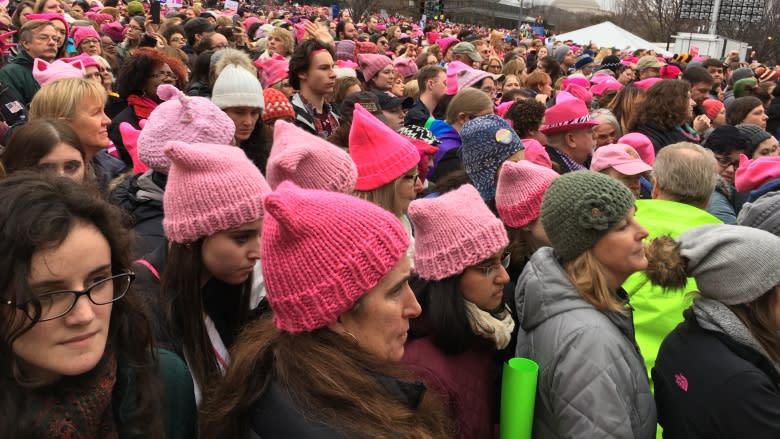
pixel 210 189
pixel 45 72
pixel 453 69
pixel 183 118
pixel 322 251
pixel 520 190
pixel 468 77
pixel 371 64
pixel 453 232
pixel 407 67
pixel 309 161
pixel 272 70
pixel 380 154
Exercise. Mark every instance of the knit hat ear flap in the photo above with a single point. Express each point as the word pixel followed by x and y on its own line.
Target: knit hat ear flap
pixel 166 92
pixel 286 215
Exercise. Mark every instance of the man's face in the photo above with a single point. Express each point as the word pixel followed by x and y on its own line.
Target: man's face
pixel 350 33
pixel 320 77
pixel 569 59
pixel 43 43
pixel 700 91
pixel 372 23
pixel 717 75
pixel 650 72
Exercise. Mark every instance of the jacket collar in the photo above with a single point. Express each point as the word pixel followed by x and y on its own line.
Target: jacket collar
pixel 409 393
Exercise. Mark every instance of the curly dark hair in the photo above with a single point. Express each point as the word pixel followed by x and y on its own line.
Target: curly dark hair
pixel 666 104
pixel 137 68
pixel 300 61
pixel 526 116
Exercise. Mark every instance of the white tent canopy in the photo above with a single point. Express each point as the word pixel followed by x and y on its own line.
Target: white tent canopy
pixel 608 34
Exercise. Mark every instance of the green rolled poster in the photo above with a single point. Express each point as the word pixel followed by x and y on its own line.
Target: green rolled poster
pixel 518 395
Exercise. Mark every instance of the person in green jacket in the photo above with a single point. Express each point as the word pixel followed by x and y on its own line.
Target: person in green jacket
pixel 684 176
pixel 37 39
pixel 77 355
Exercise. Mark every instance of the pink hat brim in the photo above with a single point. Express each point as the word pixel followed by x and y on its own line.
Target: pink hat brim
pixel 632 167
pixel 574 126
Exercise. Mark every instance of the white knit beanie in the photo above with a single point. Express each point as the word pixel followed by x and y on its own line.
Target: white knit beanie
pixel 237 87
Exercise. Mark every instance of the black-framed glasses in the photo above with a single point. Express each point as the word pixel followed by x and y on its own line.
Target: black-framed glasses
pixel 49 306
pixel 163 75
pixel 725 162
pixel 492 269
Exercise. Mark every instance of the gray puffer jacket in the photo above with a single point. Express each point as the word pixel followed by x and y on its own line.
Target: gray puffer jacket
pixel 592 380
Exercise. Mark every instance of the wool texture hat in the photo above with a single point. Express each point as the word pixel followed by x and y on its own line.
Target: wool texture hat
pixel 712 107
pixel 406 67
pixel 449 237
pixel 371 64
pixel 80 33
pixel 567 116
pixel 272 70
pixel 645 84
pixel 754 135
pixel 114 30
pixel 188 119
pixel 620 157
pixel 309 161
pixel 446 43
pixel 45 72
pixel 764 213
pixel 49 16
pixel 752 174
pixel 600 88
pixel 210 189
pixel 339 245
pixel 580 93
pixel 345 50
pixel 641 144
pixel 725 139
pixel 582 61
pixel 486 142
pixel 135 8
pixel 578 80
pixel 579 208
pixel 468 77
pixel 277 105
pixel 610 62
pixel 453 70
pixel 381 154
pixel 85 59
pixel 237 87
pixel 536 153
pixel 425 141
pixel 670 71
pixel 742 86
pixel 560 53
pixel 731 264
pixel 520 190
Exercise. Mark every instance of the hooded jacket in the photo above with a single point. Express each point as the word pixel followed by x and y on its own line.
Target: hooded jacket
pixel 592 381
pixel 142 197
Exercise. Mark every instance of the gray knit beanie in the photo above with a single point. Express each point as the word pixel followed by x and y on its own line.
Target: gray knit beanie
pixel 731 264
pixel 764 213
pixel 579 208
pixel 754 135
pixel 560 53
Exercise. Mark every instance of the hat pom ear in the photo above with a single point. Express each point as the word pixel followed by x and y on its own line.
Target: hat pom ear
pixel 167 92
pixel 40 65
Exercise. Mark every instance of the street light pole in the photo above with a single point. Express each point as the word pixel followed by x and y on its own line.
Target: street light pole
pixel 714 18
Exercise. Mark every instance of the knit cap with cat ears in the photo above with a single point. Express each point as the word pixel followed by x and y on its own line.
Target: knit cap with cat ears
pixel 188 119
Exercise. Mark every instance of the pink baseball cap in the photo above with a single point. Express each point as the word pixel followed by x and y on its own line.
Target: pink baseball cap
pixel 623 158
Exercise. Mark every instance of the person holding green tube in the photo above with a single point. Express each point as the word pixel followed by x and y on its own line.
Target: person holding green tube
pixel 574 317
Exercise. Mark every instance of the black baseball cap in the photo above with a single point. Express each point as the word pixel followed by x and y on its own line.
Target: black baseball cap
pixel 387 102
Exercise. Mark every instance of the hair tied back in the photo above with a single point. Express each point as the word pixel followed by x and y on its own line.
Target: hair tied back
pixel 666 266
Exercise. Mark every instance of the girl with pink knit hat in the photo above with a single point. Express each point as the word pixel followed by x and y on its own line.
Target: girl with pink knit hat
pixel 459 279
pixel 213 205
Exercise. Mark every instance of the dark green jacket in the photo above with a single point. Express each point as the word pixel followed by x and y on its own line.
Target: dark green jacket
pixel 18 75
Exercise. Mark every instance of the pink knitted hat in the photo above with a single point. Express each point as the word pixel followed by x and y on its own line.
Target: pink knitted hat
pixel 49 16
pixel 371 64
pixel 114 30
pixel 535 153
pixel 210 189
pixel 521 187
pixel 453 232
pixel 322 251
pixel 600 88
pixel 641 144
pixel 645 84
pixel 381 154
pixel 446 43
pixel 85 59
pixel 468 77
pixel 578 80
pixel 45 72
pixel 580 93
pixel 453 69
pixel 272 70
pixel 80 33
pixel 407 67
pixel 752 174
pixel 309 161
pixel 184 118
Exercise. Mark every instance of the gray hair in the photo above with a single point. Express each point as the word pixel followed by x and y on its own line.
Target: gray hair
pixel 605 116
pixel 686 172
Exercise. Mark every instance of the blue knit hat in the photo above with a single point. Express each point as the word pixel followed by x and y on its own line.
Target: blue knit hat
pixel 486 142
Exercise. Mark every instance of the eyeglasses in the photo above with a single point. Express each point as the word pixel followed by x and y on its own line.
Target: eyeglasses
pixel 492 269
pixel 177 40
pixel 162 75
pixel 49 306
pixel 725 162
pixel 47 38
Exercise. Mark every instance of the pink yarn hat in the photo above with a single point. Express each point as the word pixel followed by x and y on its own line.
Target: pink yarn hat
pixel 45 72
pixel 446 43
pixel 580 93
pixel 407 67
pixel 520 190
pixel 453 69
pixel 86 60
pixel 623 158
pixel 578 80
pixel 371 64
pixel 468 77
pixel 600 88
pixel 309 161
pixel 641 144
pixel 80 33
pixel 272 70
pixel 348 246
pixel 49 16
pixel 381 154
pixel 645 84
pixel 210 189
pixel 752 174
pixel 453 232
pixel 535 153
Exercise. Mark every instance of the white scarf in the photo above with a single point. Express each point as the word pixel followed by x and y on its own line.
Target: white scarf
pixel 492 327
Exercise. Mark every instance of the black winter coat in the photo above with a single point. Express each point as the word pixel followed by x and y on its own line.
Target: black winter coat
pixel 126 115
pixel 709 386
pixel 661 136
pixel 146 211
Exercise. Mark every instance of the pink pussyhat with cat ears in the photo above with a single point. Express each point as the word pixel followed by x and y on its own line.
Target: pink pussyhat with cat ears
pixel 45 72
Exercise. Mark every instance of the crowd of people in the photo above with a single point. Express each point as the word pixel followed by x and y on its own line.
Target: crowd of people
pixel 274 222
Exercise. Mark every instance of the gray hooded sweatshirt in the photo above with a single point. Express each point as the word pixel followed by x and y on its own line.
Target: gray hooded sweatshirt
pixel 592 380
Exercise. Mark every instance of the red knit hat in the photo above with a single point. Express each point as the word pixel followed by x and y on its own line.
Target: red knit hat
pixel 453 232
pixel 520 190
pixel 712 107
pixel 309 161
pixel 322 251
pixel 277 105
pixel 272 70
pixel 381 154
pixel 752 174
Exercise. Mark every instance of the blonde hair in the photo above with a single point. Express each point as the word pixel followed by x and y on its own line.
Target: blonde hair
pixel 385 196
pixel 469 101
pixel 63 98
pixel 227 57
pixel 286 37
pixel 412 89
pixel 587 275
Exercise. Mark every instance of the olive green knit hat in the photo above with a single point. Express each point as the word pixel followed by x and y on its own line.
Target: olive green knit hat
pixel 581 207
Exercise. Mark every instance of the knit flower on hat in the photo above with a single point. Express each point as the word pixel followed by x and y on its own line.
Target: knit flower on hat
pixel 595 210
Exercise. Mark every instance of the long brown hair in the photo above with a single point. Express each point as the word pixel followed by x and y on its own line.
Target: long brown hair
pixel 329 378
pixel 625 106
